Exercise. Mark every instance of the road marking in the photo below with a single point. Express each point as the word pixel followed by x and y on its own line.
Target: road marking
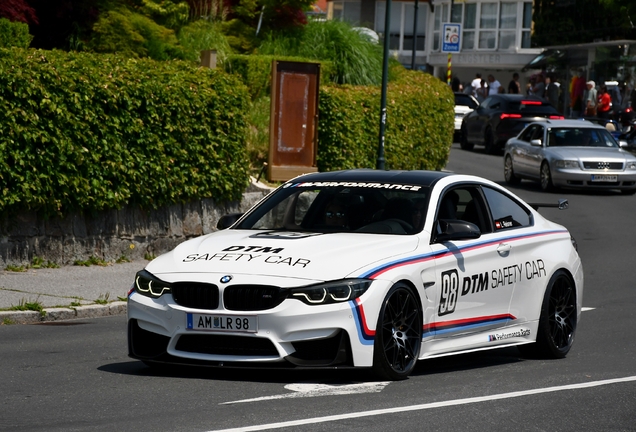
pixel 585 309
pixel 465 401
pixel 315 390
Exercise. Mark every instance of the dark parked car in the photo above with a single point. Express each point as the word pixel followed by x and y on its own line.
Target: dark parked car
pixel 501 117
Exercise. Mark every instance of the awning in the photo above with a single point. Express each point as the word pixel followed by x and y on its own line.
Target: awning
pixel 573 55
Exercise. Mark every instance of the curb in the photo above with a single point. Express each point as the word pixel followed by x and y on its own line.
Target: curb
pixel 63 314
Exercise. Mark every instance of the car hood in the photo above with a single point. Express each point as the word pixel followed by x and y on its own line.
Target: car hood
pixel 311 256
pixel 588 153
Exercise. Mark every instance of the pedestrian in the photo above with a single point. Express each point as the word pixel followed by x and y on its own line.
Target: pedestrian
pixel 539 87
pixel 456 85
pixel 604 102
pixel 552 92
pixel 476 83
pixel 514 87
pixel 482 91
pixel 590 99
pixel 493 85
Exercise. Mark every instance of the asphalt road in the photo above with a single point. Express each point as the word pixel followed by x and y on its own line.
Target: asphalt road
pixel 75 375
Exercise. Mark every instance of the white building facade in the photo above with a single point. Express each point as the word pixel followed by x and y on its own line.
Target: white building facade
pixel 495 35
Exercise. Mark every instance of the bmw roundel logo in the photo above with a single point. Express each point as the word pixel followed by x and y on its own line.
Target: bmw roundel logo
pixel 226 279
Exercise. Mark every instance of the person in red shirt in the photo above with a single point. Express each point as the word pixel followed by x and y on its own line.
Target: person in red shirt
pixel 604 103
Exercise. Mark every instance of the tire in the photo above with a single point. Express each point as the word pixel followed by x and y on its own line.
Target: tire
pixel 463 141
pixel 545 178
pixel 509 173
pixel 489 141
pixel 398 334
pixel 558 320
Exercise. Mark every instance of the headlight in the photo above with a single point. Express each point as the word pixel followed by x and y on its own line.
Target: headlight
pixel 148 285
pixel 631 165
pixel 331 292
pixel 567 164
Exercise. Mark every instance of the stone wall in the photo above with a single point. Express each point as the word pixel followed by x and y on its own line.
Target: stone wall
pixel 109 235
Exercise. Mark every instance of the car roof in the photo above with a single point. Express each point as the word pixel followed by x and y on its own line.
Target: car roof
pixel 517 97
pixel 418 177
pixel 570 124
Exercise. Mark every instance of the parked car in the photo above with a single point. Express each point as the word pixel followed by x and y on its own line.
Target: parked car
pixel 362 268
pixel 501 117
pixel 569 154
pixel 464 103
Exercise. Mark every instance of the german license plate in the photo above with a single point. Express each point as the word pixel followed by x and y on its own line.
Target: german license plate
pixel 604 178
pixel 223 323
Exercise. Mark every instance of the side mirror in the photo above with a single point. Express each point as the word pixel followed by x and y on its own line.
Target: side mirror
pixel 228 220
pixel 454 229
pixel 536 143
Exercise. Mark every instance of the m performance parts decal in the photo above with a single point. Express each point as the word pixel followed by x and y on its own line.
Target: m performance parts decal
pixel 246 254
pixel 413 188
pixel 453 287
pixel 514 334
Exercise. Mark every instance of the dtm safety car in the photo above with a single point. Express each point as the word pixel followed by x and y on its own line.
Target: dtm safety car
pixel 363 268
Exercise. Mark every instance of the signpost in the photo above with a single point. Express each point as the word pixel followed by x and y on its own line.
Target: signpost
pixel 451 44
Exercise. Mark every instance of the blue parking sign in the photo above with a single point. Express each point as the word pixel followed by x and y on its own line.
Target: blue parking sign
pixel 451 37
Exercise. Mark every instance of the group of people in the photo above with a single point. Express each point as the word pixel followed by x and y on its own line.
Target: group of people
pixel 482 88
pixel 586 99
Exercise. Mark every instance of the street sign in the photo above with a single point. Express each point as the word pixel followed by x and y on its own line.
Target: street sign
pixel 452 38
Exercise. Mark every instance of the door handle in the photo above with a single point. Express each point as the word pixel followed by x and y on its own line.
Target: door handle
pixel 504 249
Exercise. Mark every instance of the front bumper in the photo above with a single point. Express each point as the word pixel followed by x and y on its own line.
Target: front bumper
pixel 292 334
pixel 576 178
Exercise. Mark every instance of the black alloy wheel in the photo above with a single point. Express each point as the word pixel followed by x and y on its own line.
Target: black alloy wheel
pixel 398 334
pixel 557 324
pixel 489 141
pixel 463 142
pixel 509 172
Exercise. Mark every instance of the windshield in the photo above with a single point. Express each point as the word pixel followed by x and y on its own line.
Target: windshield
pixel 369 208
pixel 580 137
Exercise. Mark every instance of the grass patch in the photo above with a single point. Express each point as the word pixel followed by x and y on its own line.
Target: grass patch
pixel 122 259
pixel 36 263
pixel 7 321
pixel 149 257
pixel 92 260
pixel 27 305
pixel 103 299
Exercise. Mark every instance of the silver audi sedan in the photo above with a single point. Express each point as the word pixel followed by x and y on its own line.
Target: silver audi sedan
pixel 569 154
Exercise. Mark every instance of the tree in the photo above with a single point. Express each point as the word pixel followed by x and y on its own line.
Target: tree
pixel 582 21
pixel 18 10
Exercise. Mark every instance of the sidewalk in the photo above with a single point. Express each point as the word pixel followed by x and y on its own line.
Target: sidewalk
pixel 68 292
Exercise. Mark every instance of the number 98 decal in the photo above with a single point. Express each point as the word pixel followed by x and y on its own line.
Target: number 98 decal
pixel 449 292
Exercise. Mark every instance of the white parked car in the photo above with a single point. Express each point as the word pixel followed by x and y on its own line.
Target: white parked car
pixel 362 268
pixel 464 103
pixel 569 154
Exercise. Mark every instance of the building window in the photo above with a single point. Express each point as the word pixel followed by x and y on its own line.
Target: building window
pixel 402 19
pixel 526 25
pixel 345 11
pixel 487 25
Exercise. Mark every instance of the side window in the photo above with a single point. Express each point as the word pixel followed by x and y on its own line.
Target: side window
pixel 486 103
pixel 538 133
pixel 464 203
pixel 526 135
pixel 506 212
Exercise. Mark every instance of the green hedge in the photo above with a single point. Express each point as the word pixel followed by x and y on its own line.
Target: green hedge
pixel 256 71
pixel 91 132
pixel 419 131
pixel 14 34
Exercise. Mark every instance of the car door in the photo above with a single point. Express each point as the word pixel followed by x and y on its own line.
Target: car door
pixel 474 279
pixel 477 121
pixel 524 152
pixel 534 155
